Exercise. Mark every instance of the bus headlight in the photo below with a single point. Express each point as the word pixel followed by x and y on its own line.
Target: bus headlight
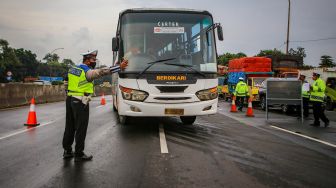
pixel 207 94
pixel 132 94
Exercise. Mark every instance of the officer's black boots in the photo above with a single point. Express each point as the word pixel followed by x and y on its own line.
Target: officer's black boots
pixel 326 124
pixel 315 125
pixel 78 158
pixel 84 157
pixel 68 154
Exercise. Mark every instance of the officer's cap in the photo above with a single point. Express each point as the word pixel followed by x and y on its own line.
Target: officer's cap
pixel 241 78
pixel 316 74
pixel 92 53
pixel 301 75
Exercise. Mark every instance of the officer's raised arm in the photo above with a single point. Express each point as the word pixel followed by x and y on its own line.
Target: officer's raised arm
pixel 97 73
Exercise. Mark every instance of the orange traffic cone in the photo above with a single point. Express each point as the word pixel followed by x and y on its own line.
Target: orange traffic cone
pixel 32 121
pixel 233 105
pixel 249 112
pixel 103 101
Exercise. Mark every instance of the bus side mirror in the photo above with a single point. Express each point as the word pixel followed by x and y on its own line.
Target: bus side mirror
pixel 115 44
pixel 220 33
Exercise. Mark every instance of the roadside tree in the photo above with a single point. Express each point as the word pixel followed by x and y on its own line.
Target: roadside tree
pixel 8 60
pixel 225 58
pixel 327 61
pixel 274 52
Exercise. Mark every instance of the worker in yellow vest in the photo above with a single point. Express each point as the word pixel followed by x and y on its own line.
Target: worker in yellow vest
pixel 241 91
pixel 317 98
pixel 80 89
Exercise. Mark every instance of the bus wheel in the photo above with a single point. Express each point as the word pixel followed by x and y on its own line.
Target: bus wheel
pixel 114 104
pixel 114 108
pixel 122 119
pixel 188 120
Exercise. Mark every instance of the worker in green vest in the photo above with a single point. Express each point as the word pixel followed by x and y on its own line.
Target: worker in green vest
pixel 80 89
pixel 241 91
pixel 317 98
pixel 305 97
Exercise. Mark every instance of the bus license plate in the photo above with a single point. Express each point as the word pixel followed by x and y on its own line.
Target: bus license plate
pixel 174 111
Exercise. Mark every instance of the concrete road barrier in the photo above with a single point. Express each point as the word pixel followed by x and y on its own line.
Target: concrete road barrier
pixel 19 94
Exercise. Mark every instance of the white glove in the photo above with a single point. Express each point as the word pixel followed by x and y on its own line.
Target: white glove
pixel 86 99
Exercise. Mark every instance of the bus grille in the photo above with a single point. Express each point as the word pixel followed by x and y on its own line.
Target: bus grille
pixel 172 98
pixel 171 89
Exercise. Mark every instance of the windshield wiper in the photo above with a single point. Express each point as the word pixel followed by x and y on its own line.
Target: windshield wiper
pixel 153 63
pixel 190 67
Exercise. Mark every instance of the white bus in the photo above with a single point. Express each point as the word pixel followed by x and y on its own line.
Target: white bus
pixel 172 69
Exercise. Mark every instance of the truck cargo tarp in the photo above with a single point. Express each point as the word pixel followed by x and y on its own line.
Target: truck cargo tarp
pixel 250 64
pixel 234 77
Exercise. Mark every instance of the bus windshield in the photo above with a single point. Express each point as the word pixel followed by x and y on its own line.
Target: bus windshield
pixel 184 38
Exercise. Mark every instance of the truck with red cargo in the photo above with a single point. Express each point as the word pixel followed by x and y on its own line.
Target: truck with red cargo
pixel 253 69
pixel 286 66
pixel 283 66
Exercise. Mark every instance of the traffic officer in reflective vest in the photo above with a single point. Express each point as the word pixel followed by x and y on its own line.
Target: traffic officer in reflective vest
pixel 80 89
pixel 305 97
pixel 241 91
pixel 317 98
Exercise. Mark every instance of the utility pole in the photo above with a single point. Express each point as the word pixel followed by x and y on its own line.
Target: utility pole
pixel 287 42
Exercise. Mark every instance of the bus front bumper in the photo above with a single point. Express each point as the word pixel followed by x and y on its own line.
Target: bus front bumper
pixel 132 108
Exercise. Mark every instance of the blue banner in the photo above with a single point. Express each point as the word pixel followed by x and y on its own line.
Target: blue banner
pixel 50 79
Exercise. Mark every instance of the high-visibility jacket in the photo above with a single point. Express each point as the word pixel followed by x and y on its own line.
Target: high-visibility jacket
pixel 77 83
pixel 305 94
pixel 317 92
pixel 241 89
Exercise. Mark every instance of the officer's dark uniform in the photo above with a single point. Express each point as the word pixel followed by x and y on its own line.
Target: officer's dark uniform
pixel 317 99
pixel 241 91
pixel 80 89
pixel 77 110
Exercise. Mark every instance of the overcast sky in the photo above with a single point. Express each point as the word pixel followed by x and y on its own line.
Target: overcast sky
pixel 249 25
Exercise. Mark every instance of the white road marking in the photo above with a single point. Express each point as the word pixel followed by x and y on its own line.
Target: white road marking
pixel 100 106
pixel 304 136
pixel 249 123
pixel 26 130
pixel 163 142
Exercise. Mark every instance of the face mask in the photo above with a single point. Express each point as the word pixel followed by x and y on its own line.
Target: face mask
pixel 93 65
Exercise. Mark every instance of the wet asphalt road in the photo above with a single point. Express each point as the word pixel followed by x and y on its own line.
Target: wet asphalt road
pixel 217 151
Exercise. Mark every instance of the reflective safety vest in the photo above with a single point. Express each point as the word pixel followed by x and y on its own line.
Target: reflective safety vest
pixel 317 93
pixel 77 83
pixel 241 89
pixel 305 94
